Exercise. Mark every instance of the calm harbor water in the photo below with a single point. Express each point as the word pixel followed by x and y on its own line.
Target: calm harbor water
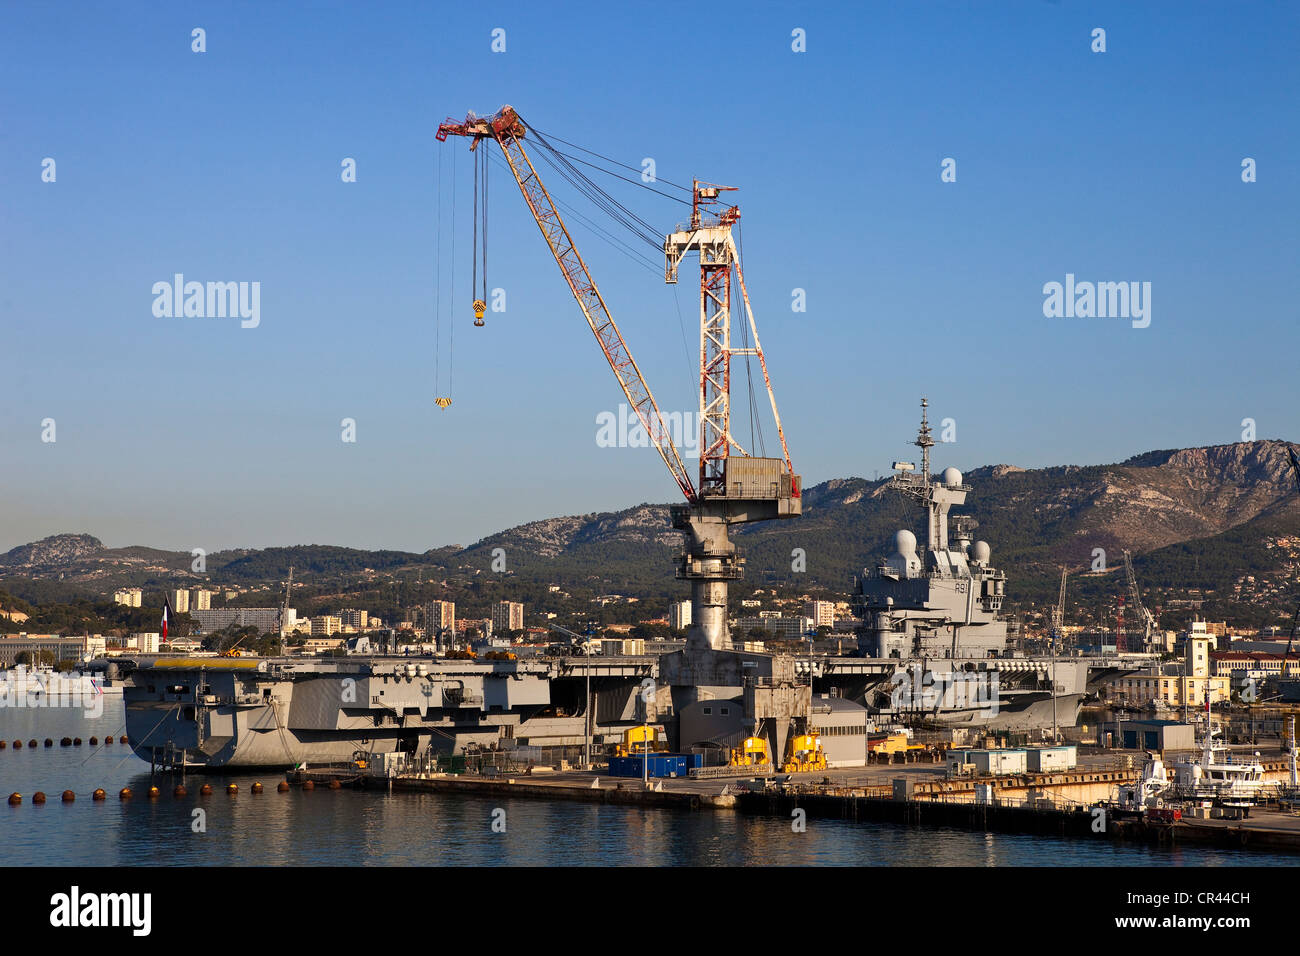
pixel 350 828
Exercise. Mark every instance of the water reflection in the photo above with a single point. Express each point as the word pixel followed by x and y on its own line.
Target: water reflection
pixel 350 828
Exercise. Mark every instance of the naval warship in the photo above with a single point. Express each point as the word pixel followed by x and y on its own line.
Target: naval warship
pixel 933 648
pixel 937 612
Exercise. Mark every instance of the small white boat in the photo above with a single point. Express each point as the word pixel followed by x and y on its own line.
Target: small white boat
pixel 1232 780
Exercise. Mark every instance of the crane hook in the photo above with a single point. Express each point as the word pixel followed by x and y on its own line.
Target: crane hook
pixel 479 308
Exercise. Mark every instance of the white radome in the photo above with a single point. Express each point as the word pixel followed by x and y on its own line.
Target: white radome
pixel 952 477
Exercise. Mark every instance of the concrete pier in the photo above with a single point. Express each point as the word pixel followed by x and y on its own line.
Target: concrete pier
pixel 1058 804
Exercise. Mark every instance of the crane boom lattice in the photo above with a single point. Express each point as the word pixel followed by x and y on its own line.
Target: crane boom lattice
pixel 507 129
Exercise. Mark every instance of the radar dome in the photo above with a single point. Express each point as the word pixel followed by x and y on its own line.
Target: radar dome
pixel 951 477
pixel 980 552
pixel 905 542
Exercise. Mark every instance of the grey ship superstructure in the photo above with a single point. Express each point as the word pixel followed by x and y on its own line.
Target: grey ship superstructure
pixel 937 613
pixel 946 603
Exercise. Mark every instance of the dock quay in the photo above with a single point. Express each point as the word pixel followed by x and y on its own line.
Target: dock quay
pixel 1068 804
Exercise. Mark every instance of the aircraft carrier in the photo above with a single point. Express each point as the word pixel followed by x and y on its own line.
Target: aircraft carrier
pixel 933 648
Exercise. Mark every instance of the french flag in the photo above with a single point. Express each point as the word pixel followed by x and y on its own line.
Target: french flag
pixel 167 616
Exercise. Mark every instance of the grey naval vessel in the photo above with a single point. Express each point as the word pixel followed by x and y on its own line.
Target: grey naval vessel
pixel 933 649
pixel 937 612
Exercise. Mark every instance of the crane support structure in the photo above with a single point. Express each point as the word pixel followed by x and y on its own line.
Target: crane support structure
pixel 731 489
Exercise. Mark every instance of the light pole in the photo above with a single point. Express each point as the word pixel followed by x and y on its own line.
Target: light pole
pixel 586 722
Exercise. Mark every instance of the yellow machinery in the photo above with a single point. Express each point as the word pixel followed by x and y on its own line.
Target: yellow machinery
pixel 804 754
pixel 751 753
pixel 499 656
pixel 889 744
pixel 640 740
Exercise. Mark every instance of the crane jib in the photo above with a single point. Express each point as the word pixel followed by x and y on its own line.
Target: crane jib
pixel 507 129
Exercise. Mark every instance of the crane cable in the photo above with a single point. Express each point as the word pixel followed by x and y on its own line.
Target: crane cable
pixel 437 284
pixel 602 234
pixel 755 419
pixel 580 180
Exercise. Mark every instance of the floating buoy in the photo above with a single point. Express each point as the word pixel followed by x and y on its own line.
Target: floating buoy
pixel 257 788
pixel 153 793
pixel 205 789
pixel 69 796
pixel 334 785
pixel 232 789
pixel 179 791
pixel 3 744
pixel 15 799
pixel 76 741
pixel 65 742
pixel 18 745
pixel 108 739
pixel 94 741
pixel 282 787
pixel 49 742
pixel 98 795
pixel 32 744
pixel 308 785
pixel 125 793
pixel 38 797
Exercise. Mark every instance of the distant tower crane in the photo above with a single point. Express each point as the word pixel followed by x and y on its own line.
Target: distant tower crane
pixel 284 608
pixel 732 489
pixel 1058 613
pixel 1145 618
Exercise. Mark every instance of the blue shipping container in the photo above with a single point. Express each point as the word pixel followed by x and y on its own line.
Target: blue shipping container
pixel 657 765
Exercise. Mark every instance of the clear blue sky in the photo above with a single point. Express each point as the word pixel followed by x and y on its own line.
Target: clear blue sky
pixel 183 433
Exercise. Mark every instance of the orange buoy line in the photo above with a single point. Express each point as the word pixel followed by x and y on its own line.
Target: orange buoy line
pixel 126 793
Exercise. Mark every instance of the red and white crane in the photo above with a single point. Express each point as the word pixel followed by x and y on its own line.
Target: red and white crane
pixel 730 489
